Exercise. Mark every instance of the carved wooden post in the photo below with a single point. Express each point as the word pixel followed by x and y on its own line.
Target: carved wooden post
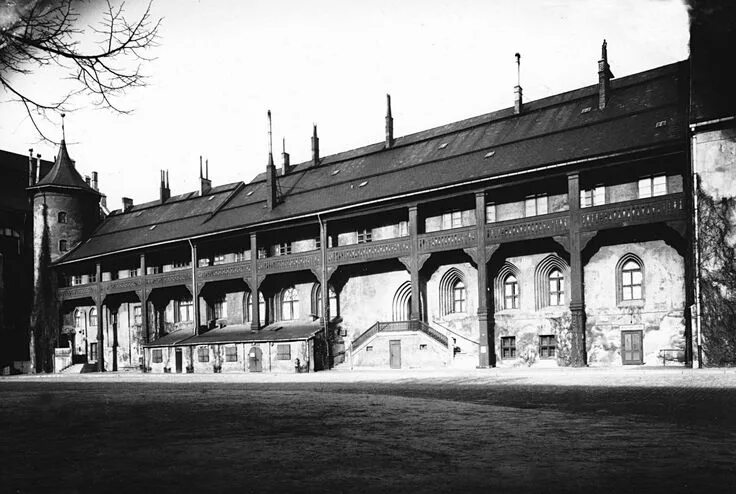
pixel 255 319
pixel 100 333
pixel 143 295
pixel 414 264
pixel 325 288
pixel 195 288
pixel 114 318
pixel 487 351
pixel 577 303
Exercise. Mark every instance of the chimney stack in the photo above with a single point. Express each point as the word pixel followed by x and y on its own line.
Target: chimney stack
pixel 127 204
pixel 271 180
pixel 389 123
pixel 95 184
pixel 604 77
pixel 285 158
pixel 164 191
pixel 31 169
pixel 87 180
pixel 38 167
pixel 315 146
pixel 518 98
pixel 205 184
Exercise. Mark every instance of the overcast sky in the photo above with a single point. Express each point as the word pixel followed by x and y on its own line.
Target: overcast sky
pixel 221 64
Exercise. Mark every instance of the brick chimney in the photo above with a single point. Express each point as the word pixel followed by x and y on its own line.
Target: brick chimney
pixel 164 191
pixel 127 203
pixel 271 180
pixel 315 146
pixel 389 123
pixel 518 98
pixel 205 184
pixel 95 184
pixel 604 77
pixel 285 159
pixel 31 169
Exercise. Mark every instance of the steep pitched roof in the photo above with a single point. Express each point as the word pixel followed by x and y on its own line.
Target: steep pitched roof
pixel 559 129
pixel 64 174
pixel 14 173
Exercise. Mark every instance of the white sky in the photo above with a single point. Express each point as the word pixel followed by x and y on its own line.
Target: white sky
pixel 221 64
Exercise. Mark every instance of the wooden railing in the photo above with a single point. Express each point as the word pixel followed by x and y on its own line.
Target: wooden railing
pixel 637 212
pixel 396 326
pixel 458 238
pixel 547 225
pixel 225 271
pixel 381 249
pixel 289 262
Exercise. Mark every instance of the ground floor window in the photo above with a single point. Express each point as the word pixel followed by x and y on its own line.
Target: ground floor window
pixel 547 346
pixel 203 354
pixel 158 356
pixel 283 352
pixel 231 354
pixel 93 351
pixel 508 347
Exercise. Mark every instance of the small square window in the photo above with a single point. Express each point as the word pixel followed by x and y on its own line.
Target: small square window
pixel 219 259
pixel 547 346
pixel 423 346
pixel 158 356
pixel 369 348
pixel 231 353
pixel 508 347
pixel 283 352
pixel 203 354
pixel 283 249
pixel 365 236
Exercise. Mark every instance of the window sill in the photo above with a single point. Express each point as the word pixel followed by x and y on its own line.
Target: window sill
pixel 631 303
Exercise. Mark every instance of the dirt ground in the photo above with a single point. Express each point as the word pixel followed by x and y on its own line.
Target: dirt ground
pixel 667 430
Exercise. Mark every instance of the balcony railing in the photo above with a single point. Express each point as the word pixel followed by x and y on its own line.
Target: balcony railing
pixel 527 228
pixel 170 278
pixel 396 326
pixel 125 285
pixel 370 251
pixel 289 262
pixel 225 271
pixel 458 238
pixel 637 212
pixel 76 292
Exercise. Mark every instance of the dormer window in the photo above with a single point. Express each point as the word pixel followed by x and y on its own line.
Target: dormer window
pixel 61 217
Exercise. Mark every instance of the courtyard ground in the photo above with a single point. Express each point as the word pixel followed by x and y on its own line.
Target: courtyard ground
pixel 499 430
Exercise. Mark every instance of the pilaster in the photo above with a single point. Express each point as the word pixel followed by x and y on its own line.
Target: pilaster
pixel 487 350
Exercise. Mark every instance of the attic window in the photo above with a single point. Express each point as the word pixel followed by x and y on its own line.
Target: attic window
pixel 250 193
pixel 586 109
pixel 363 184
pixel 489 154
pixel 661 123
pixel 443 145
pixel 210 198
pixel 152 227
pixel 335 172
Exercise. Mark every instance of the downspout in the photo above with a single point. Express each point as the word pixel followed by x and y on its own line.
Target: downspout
pixel 696 240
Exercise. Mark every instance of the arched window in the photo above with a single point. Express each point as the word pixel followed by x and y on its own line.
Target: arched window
pixel 458 297
pixel 289 304
pixel 506 287
pixel 549 282
pixel 317 298
pixel 79 319
pixel 61 217
pixel 556 288
pixel 402 303
pixel 453 296
pixel 63 247
pixel 510 292
pixel 630 279
pixel 261 308
pixel 93 317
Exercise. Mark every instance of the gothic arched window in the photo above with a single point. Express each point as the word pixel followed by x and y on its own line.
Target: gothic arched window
pixel 629 278
pixel 510 292
pixel 556 288
pixel 289 304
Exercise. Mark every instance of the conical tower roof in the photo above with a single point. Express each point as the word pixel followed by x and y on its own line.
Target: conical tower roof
pixel 64 174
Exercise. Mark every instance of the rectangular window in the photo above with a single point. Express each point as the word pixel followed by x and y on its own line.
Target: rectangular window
pixel 92 278
pixel 490 213
pixel 283 249
pixel 535 205
pixel 283 352
pixel 219 259
pixel 262 253
pixel 180 264
pixel 423 346
pixel 93 351
pixel 652 186
pixel 77 280
pixel 185 310
pixel 231 353
pixel 132 273
pixel 547 346
pixel 457 219
pixel 365 236
pixel 158 356
pixel 369 348
pixel 593 197
pixel 137 315
pixel 154 269
pixel 403 228
pixel 240 256
pixel 203 354
pixel 219 309
pixel 508 347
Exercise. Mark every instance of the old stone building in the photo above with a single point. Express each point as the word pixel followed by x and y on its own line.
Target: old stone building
pixel 554 232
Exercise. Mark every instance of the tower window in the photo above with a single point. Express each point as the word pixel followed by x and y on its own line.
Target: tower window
pixel 63 246
pixel 61 217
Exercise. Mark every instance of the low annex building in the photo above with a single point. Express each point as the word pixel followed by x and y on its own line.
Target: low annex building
pixel 554 232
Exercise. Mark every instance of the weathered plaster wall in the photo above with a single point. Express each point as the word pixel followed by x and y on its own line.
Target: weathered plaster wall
pixel 463 326
pixel 417 350
pixel 659 314
pixel 367 299
pixel 715 162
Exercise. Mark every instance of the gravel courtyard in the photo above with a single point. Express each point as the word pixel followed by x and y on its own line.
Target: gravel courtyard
pixel 667 430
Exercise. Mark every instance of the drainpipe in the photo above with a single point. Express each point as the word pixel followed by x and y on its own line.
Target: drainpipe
pixel 696 239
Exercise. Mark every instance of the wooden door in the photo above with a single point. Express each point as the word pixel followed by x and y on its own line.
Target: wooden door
pixel 179 360
pixel 394 348
pixel 255 360
pixel 631 347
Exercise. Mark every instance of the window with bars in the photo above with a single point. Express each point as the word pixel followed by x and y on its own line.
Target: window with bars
pixel 365 236
pixel 203 354
pixel 652 186
pixel 231 353
pixel 508 347
pixel 511 292
pixel 547 346
pixel 535 205
pixel 157 356
pixel 556 288
pixel 283 352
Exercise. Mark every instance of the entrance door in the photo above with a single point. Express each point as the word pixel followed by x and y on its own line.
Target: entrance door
pixel 631 349
pixel 394 349
pixel 179 360
pixel 255 360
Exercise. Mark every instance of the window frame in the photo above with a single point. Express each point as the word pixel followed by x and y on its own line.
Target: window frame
pixel 231 353
pixel 290 300
pixel 281 354
pixel 548 345
pixel 556 297
pixel 459 296
pixel 203 354
pixel 538 202
pixel 63 245
pixel 511 347
pixel 620 287
pixel 157 356
pixel 62 217
pixel 515 295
